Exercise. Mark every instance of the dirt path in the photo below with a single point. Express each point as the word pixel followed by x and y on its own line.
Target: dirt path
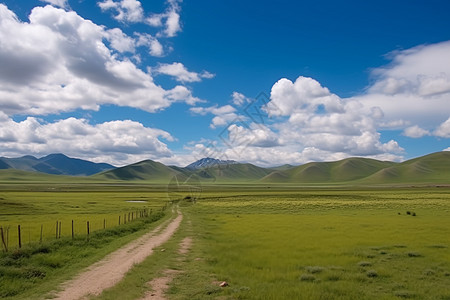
pixel 110 270
pixel 161 284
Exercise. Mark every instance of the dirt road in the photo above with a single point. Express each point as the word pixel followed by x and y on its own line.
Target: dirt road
pixel 110 270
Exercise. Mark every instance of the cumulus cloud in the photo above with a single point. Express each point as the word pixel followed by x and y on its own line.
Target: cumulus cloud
pixel 154 46
pixel 125 10
pixel 59 61
pixel 170 19
pixel 59 3
pixel 117 142
pixel 239 99
pixel 443 130
pixel 310 123
pixel 131 11
pixel 181 73
pixel 223 115
pixel 415 132
pixel 414 89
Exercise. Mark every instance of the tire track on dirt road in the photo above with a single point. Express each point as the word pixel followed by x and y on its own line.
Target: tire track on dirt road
pixel 109 271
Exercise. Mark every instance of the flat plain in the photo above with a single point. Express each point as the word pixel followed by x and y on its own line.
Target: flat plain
pixel 265 241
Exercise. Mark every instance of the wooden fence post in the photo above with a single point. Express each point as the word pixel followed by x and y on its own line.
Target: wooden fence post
pixel 72 230
pixel 59 236
pixel 57 223
pixel 87 229
pixel 104 223
pixel 40 237
pixel 3 239
pixel 20 238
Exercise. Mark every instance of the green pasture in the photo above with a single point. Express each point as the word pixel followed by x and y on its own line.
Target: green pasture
pixel 48 208
pixel 320 244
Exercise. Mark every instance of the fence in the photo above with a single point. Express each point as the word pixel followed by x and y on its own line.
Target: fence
pixel 13 236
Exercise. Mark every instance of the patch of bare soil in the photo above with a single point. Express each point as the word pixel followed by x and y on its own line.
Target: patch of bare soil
pixel 110 270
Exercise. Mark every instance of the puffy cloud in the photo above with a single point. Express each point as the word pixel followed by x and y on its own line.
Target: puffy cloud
pixel 181 74
pixel 239 99
pixel 223 115
pixel 59 62
pixel 116 142
pixel 59 3
pixel 170 19
pixel 310 124
pixel 120 41
pixel 414 89
pixel 443 130
pixel 415 132
pixel 126 10
pixel 154 46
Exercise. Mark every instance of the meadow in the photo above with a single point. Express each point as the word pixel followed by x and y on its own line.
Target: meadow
pixel 49 256
pixel 265 241
pixel 320 244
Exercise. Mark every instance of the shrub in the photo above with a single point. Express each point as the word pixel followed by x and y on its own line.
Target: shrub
pixel 307 277
pixel 414 254
pixel 372 274
pixel 364 264
pixel 404 294
pixel 314 269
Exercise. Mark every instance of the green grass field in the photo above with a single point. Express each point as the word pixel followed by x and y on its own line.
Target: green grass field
pixel 320 244
pixel 267 242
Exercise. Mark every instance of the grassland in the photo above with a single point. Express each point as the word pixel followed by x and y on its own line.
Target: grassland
pixel 39 266
pixel 267 242
pixel 320 244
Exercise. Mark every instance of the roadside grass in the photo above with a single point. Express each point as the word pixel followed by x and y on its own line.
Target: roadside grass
pixel 135 284
pixel 44 206
pixel 319 245
pixel 38 268
pixel 34 270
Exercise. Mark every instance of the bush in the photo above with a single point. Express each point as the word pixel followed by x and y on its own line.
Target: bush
pixel 364 264
pixel 372 274
pixel 314 269
pixel 307 277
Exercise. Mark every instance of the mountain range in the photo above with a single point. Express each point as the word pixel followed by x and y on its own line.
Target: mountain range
pixel 429 169
pixel 56 164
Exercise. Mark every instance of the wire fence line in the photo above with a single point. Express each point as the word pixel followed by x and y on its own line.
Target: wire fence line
pixel 17 235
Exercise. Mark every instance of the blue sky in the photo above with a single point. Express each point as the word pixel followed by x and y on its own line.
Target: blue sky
pixel 121 81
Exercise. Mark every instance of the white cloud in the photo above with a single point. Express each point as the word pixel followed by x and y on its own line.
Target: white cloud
pixel 415 132
pixel 170 19
pixel 59 62
pixel 126 10
pixel 59 3
pixel 117 142
pixel 443 130
pixel 239 99
pixel 154 46
pixel 120 41
pixel 288 97
pixel 181 74
pixel 311 124
pixel 223 115
pixel 415 88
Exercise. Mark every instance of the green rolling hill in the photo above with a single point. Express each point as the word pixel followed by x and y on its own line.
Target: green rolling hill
pixel 145 170
pixel 432 168
pixel 233 173
pixel 429 169
pixel 330 172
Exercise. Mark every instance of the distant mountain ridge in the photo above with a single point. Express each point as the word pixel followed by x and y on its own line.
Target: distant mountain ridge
pixel 209 162
pixel 429 169
pixel 56 164
pixel 432 168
